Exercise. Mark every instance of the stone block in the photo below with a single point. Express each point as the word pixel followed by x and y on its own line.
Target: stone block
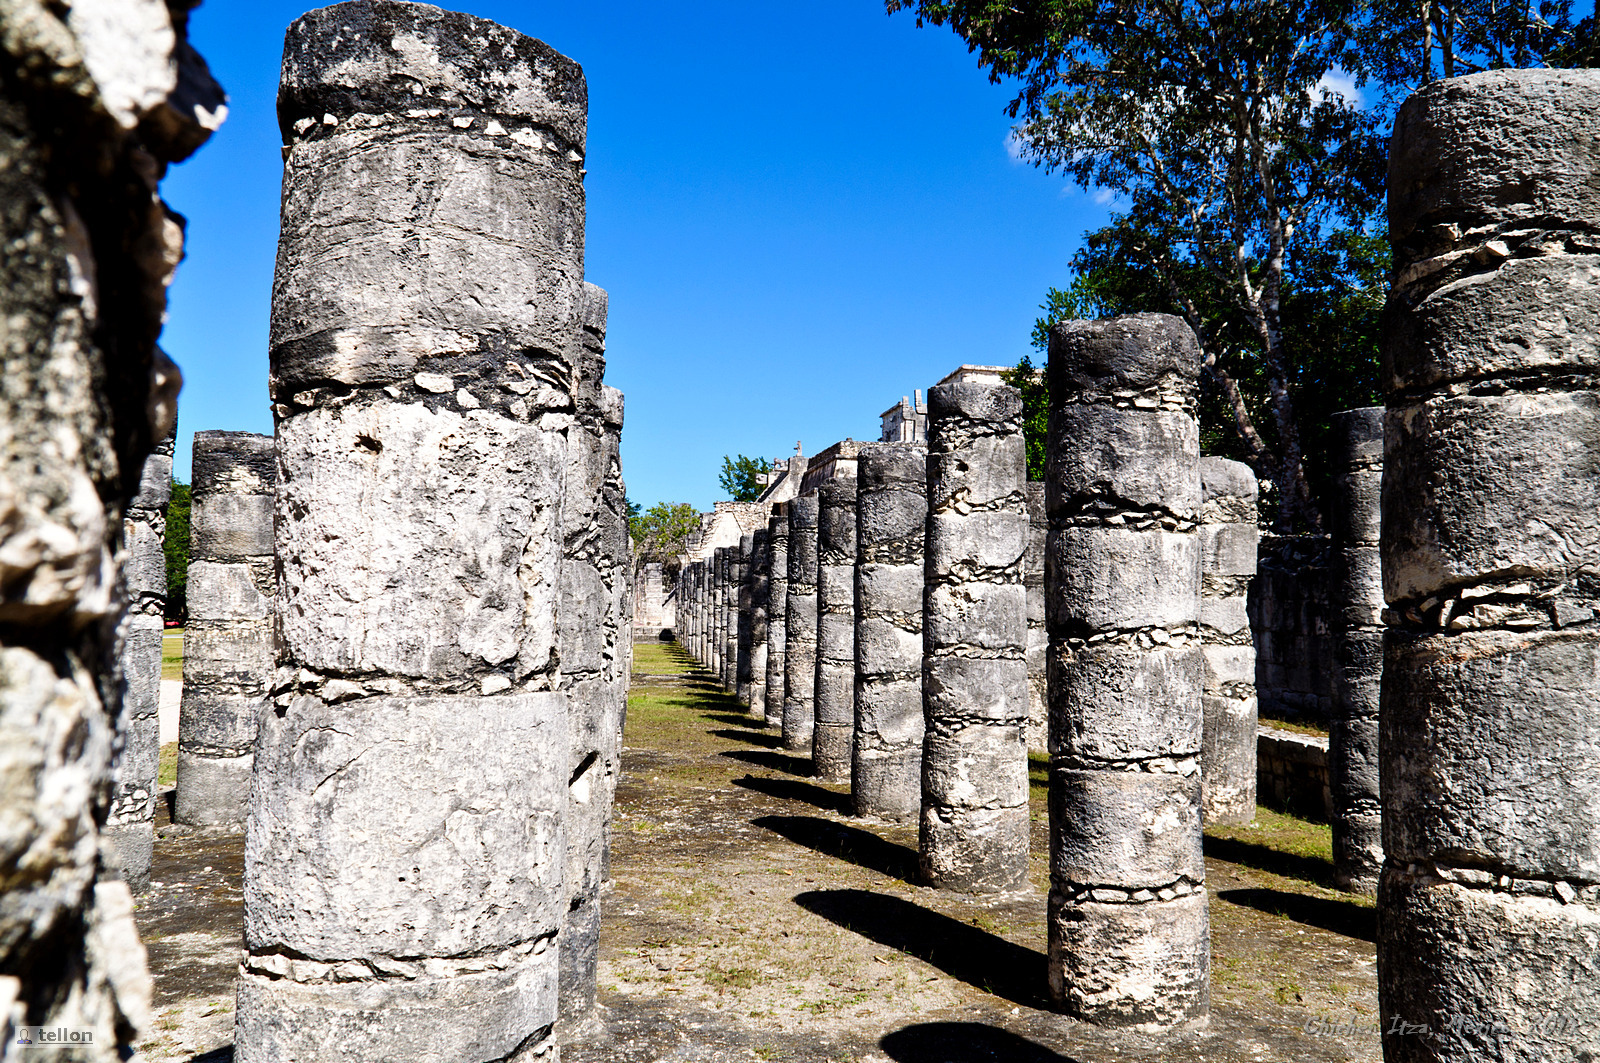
pixel 212 790
pixel 230 527
pixel 974 850
pixel 1133 459
pixel 1131 965
pixel 984 618
pixel 1108 579
pixel 976 688
pixel 1114 702
pixel 1125 829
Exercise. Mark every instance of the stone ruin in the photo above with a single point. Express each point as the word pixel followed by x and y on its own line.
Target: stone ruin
pixel 1129 935
pixel 228 654
pixel 130 821
pixel 1489 900
pixel 453 597
pixel 974 828
pixel 97 101
pixel 891 522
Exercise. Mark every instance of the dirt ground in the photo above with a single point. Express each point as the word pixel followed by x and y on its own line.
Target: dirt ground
pixel 751 918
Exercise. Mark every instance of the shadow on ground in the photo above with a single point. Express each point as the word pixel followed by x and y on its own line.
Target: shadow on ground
pixel 964 1042
pixel 1264 858
pixel 842 842
pixel 1338 917
pixel 755 738
pixel 795 790
pixel 784 762
pixel 976 957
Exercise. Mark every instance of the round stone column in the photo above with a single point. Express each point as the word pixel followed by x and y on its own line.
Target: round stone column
pixel 744 619
pixel 1489 735
pixel 800 659
pixel 836 629
pixel 1229 538
pixel 777 613
pixel 1038 636
pixel 1358 650
pixel 1127 921
pixel 228 652
pixel 891 522
pixel 130 823
pixel 404 864
pixel 759 581
pixel 974 829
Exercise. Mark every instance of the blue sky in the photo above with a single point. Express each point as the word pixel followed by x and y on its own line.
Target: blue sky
pixel 801 211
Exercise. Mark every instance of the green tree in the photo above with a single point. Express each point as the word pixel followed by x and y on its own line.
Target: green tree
pixel 176 545
pixel 661 533
pixel 1029 379
pixel 744 478
pixel 1404 44
pixel 1230 158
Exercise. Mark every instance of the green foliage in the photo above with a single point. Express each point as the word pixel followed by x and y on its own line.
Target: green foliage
pixel 177 549
pixel 1403 45
pixel 743 478
pixel 1030 380
pixel 661 533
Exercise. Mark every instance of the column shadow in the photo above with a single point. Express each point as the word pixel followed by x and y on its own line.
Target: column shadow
pixel 795 790
pixel 844 842
pixel 1340 917
pixel 964 1042
pixel 976 957
pixel 784 762
pixel 1265 858
pixel 755 738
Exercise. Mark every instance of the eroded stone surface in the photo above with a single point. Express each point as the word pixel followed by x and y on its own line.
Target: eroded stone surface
pixel 1228 541
pixel 800 659
pixel 974 825
pixel 1490 549
pixel 1128 924
pixel 833 740
pixel 98 99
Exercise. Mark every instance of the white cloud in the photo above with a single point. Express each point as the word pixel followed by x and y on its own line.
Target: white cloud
pixel 1337 82
pixel 1014 147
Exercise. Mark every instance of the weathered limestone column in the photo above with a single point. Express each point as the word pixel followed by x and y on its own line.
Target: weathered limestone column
pixel 1038 646
pixel 891 521
pixel 834 736
pixel 974 834
pixel 744 619
pixel 777 612
pixel 1489 904
pixel 732 577
pixel 1229 538
pixel 800 659
pixel 700 612
pixel 759 581
pixel 1127 920
pixel 714 610
pixel 1358 650
pixel 96 101
pixel 130 825
pixel 593 639
pixel 404 863
pixel 228 655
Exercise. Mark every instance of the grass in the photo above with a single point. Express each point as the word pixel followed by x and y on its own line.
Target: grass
pixel 172 653
pixel 167 773
pixel 1298 727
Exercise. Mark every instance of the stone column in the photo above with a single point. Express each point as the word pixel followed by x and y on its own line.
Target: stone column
pixel 1229 537
pixel 836 630
pixel 777 612
pixel 974 835
pixel 95 103
pixel 1357 813
pixel 699 590
pixel 404 863
pixel 714 609
pixel 228 649
pixel 1038 645
pixel 759 582
pixel 130 826
pixel 744 619
pixel 891 520
pixel 733 577
pixel 727 626
pixel 594 640
pixel 800 659
pixel 1127 920
pixel 1489 904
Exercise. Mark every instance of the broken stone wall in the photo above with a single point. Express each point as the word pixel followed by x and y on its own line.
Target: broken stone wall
pixel 95 101
pixel 1291 623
